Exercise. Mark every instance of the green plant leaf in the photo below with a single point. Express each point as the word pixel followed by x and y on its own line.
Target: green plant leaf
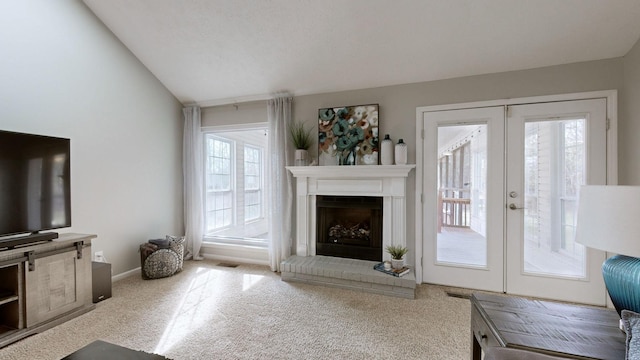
pixel 300 136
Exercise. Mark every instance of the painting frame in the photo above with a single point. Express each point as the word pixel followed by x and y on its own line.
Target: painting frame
pixel 348 135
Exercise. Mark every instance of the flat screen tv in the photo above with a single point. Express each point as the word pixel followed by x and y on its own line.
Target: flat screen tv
pixel 35 184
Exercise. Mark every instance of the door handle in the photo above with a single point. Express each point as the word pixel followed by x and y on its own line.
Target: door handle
pixel 513 206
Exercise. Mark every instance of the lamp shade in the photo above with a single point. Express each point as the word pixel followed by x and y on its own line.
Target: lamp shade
pixel 609 219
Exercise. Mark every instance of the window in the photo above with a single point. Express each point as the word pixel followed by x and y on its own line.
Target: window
pixel 572 140
pixel 235 182
pixel 219 194
pixel 252 183
pixel 555 158
pixel 455 171
pixel 531 182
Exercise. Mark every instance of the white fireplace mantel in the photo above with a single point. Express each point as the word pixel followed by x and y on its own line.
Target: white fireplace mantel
pixel 386 181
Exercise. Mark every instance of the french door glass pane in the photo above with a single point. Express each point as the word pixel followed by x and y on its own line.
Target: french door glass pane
pixel 555 156
pixel 462 189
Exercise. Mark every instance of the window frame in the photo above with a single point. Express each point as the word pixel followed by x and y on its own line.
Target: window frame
pixel 226 235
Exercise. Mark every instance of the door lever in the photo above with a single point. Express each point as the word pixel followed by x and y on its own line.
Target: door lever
pixel 513 206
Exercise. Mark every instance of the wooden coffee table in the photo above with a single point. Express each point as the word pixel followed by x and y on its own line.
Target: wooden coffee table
pixel 570 331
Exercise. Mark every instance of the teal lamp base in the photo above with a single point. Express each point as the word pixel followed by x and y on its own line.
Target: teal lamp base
pixel 622 278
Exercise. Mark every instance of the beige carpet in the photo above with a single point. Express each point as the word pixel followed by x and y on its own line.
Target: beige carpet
pixel 215 312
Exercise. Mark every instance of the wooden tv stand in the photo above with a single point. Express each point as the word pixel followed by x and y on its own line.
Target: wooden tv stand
pixel 43 285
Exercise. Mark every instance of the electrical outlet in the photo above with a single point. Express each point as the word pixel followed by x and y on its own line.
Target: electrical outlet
pixel 98 256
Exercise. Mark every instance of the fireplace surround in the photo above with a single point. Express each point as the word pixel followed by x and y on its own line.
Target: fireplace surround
pixel 385 181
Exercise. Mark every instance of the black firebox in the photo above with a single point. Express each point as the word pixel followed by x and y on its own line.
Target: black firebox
pixel 349 227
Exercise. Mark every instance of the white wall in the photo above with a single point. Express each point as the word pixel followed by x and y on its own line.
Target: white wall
pixel 63 73
pixel 629 132
pixel 244 113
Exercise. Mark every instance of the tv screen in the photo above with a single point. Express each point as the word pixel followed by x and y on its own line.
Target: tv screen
pixel 35 183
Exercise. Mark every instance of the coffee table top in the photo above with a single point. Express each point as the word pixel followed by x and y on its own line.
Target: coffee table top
pixel 553 328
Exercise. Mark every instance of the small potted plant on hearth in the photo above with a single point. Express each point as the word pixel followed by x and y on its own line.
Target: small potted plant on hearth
pixel 397 253
pixel 302 141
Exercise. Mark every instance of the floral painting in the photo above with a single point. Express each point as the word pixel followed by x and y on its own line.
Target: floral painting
pixel 348 135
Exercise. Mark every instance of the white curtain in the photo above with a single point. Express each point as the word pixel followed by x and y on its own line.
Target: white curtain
pixel 193 172
pixel 281 192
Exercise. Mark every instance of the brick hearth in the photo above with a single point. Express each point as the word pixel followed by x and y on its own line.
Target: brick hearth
pixel 352 274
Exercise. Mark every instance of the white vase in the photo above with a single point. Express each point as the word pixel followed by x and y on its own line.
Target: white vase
pixel 386 151
pixel 301 157
pixel 397 264
pixel 401 153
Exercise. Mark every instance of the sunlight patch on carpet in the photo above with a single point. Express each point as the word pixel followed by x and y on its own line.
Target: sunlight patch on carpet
pixel 196 307
pixel 248 280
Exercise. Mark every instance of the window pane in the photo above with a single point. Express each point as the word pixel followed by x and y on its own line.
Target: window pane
pixel 252 183
pixel 253 205
pixel 554 171
pixel 218 183
pixel 462 192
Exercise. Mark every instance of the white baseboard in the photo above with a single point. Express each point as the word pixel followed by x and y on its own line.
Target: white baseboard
pixel 126 274
pixel 235 253
pixel 234 259
pixel 219 252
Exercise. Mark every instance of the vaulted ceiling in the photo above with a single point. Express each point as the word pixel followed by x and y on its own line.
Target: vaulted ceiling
pixel 224 51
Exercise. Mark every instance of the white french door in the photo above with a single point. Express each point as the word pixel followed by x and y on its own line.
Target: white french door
pixel 463 198
pixel 500 186
pixel 553 149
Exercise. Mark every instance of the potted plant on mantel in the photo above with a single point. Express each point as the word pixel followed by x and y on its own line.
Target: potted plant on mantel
pixel 302 141
pixel 397 253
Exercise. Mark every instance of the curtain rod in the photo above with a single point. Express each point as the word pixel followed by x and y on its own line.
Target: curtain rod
pixel 240 100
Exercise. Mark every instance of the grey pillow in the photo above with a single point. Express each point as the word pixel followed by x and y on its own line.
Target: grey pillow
pixel 160 243
pixel 631 322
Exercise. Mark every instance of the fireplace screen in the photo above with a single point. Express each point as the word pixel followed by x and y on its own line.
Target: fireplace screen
pixel 349 226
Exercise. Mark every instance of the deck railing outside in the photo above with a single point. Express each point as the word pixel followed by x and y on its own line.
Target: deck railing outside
pixel 454 208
